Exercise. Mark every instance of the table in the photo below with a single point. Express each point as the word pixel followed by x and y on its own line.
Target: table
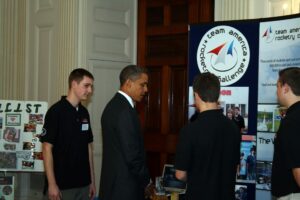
pixel 174 196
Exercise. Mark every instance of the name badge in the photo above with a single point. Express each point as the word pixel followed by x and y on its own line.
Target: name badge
pixel 85 127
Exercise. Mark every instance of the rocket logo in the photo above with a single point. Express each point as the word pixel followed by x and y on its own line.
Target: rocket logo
pixel 224 51
pixel 268 35
pixel 224 57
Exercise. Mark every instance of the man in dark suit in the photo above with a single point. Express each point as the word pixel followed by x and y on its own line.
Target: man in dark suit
pixel 124 173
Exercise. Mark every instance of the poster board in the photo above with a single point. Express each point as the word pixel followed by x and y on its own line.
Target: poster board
pixel 21 124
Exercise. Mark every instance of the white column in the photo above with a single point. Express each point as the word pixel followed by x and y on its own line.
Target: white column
pixel 232 9
pixel 67 44
pixel 12 48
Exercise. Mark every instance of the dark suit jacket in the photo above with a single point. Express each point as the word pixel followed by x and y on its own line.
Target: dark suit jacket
pixel 124 173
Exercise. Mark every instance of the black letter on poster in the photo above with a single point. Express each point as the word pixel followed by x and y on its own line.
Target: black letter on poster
pixel 28 106
pixel 18 108
pixel 7 109
pixel 37 107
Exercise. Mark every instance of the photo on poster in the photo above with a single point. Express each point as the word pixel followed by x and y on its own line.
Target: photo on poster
pixel 13 119
pixel 8 160
pixel 246 171
pixel 26 155
pixel 37 155
pixel 11 134
pixel 27 164
pixel 36 118
pixel 241 192
pixel 269 117
pixel 263 174
pixel 30 127
pixel 28 145
pixel 234 101
pixel 6 188
pixel 265 146
pixel 9 147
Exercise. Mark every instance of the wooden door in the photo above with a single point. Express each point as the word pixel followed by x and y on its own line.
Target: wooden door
pixel 163 49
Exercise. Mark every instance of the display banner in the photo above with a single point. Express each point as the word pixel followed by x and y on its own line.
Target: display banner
pixel 21 124
pixel 230 51
pixel 246 56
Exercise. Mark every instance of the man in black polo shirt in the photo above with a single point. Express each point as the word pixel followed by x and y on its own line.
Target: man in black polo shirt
pixel 239 119
pixel 208 151
pixel 67 143
pixel 286 160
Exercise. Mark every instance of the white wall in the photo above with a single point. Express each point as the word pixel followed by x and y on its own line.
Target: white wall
pixel 251 9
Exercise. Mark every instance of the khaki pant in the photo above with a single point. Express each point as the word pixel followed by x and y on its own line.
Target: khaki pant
pixel 293 196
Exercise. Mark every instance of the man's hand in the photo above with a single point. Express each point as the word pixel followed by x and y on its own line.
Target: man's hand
pixel 150 190
pixel 54 193
pixel 92 191
pixel 181 175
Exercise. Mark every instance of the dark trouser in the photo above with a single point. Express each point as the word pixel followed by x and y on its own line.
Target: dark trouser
pixel 81 193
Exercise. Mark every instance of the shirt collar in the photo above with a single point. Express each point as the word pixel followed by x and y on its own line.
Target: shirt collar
pixel 295 106
pixel 129 99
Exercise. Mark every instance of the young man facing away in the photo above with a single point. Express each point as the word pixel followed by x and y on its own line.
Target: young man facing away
pixel 208 151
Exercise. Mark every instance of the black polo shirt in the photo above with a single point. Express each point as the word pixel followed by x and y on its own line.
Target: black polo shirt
pixel 286 153
pixel 69 131
pixel 239 121
pixel 209 150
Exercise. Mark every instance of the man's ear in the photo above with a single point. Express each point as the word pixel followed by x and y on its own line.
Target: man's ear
pixel 286 88
pixel 196 96
pixel 128 82
pixel 73 84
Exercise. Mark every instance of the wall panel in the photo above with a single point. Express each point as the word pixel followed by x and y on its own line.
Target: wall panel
pixel 111 36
